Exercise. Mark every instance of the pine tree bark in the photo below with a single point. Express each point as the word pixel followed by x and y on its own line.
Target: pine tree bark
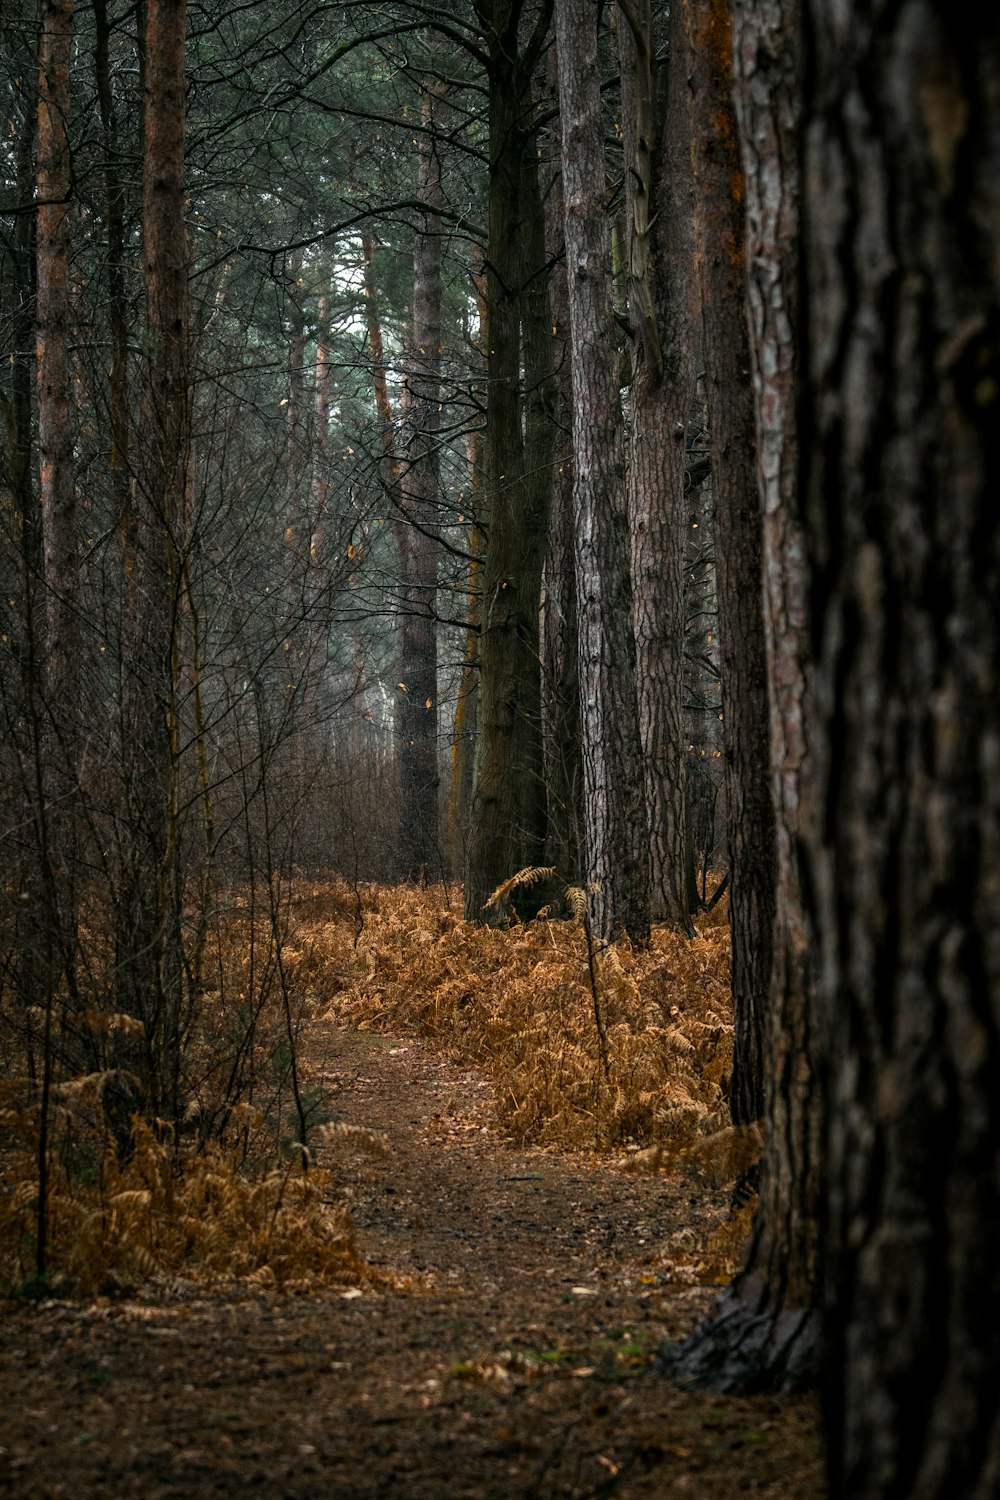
pixel 115 203
pixel 764 1333
pixel 463 737
pixel 719 240
pixel 57 487
pixel 507 825
pixel 560 664
pixel 660 257
pixel 17 298
pixel 58 744
pixel 322 401
pixel 419 852
pixel 560 651
pixel 901 404
pixel 617 840
pixel 149 944
pixel 385 417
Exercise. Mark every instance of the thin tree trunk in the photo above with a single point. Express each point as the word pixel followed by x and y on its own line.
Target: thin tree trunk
pixel 295 410
pixel 59 741
pixel 419 850
pixel 507 827
pixel 57 488
pixel 117 310
pixel 764 1334
pixel 19 304
pixel 463 737
pixel 321 409
pixel 560 647
pixel 660 270
pixel 719 239
pixel 388 462
pixel 560 625
pixel 150 959
pixel 617 859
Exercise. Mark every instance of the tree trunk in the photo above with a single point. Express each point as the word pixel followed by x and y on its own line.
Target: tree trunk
pixel 295 409
pixel 463 737
pixel 507 828
pixel 719 238
pixel 560 649
pixel 764 1333
pixel 118 306
pixel 385 417
pixel 58 745
pixel 17 298
pixel 660 259
pixel 419 852
pixel 617 857
pixel 57 488
pixel 320 488
pixel 902 472
pixel 149 958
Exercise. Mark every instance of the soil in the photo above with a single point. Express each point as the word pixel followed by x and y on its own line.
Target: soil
pixel 506 1350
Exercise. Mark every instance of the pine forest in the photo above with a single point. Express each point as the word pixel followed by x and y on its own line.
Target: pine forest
pixel 499 749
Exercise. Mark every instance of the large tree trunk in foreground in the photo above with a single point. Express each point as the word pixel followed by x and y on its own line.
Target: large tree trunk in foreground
pixel 901 228
pixel 617 863
pixel 764 1332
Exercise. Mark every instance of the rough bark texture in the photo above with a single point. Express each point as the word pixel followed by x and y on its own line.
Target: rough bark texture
pixel 115 201
pixel 901 288
pixel 764 1334
pixel 388 461
pixel 463 737
pixel 166 264
pixel 560 664
pixel 17 303
pixel 617 842
pixel 719 235
pixel 57 488
pixel 419 851
pixel 659 207
pixel 149 947
pixel 322 400
pixel 507 828
pixel 786 1231
pixel 295 408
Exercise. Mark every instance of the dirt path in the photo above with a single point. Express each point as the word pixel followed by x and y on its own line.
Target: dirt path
pixel 518 1365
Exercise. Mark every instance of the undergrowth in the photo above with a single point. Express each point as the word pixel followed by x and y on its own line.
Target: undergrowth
pixel 519 1003
pixel 625 1049
pixel 241 1185
pixel 170 1219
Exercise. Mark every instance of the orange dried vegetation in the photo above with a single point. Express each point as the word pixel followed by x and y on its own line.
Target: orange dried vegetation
pixel 518 1002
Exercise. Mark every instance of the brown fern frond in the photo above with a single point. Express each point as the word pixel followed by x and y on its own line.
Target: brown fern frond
pixel 576 900
pixel 520 880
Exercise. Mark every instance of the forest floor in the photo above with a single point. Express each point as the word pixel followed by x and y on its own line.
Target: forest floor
pixel 504 1347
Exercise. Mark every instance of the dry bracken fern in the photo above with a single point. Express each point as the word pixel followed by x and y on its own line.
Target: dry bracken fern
pixel 518 1003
